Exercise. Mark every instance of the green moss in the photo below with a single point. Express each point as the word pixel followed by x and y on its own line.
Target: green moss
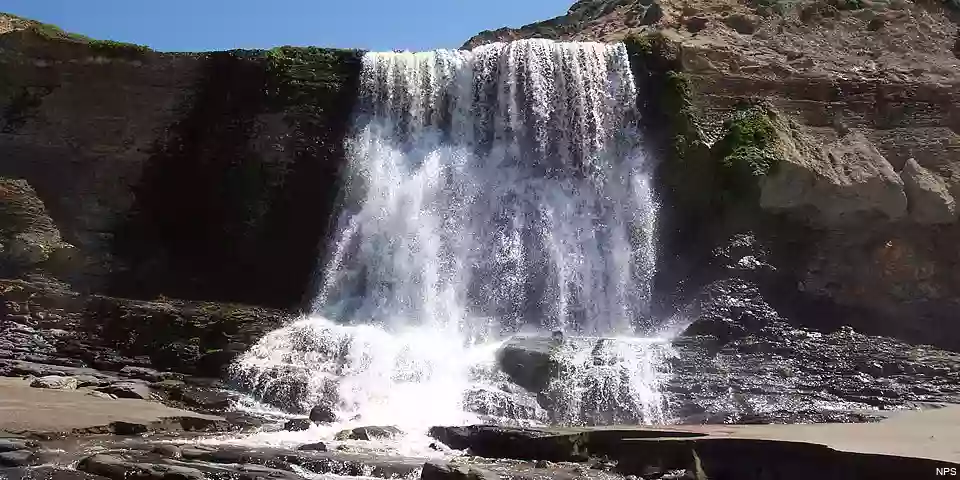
pixel 655 62
pixel 746 151
pixel 679 108
pixel 653 50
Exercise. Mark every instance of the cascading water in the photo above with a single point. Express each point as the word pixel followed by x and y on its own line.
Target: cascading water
pixel 489 193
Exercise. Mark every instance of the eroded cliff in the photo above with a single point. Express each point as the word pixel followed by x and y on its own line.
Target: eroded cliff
pixel 817 138
pixel 810 146
pixel 202 176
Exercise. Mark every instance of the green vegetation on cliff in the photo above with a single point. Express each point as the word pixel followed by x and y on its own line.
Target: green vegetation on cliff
pixel 704 178
pixel 746 150
pixel 106 48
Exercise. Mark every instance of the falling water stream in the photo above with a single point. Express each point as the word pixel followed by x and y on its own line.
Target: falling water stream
pixel 489 193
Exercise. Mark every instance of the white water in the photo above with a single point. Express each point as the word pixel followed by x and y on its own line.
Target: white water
pixel 490 192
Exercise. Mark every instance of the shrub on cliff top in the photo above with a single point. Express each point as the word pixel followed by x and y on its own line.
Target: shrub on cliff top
pixel 107 48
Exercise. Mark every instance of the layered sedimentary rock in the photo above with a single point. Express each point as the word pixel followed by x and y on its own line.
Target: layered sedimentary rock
pixel 204 176
pixel 824 129
pixel 849 177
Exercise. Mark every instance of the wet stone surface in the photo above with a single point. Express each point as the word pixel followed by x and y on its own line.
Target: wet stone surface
pixel 741 362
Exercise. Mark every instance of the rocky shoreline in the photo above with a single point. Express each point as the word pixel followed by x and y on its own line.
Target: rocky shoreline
pixel 739 364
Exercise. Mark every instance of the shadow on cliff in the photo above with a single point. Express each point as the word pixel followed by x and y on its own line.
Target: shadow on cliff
pixel 235 200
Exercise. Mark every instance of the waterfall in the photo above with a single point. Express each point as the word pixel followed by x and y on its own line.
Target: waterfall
pixel 488 193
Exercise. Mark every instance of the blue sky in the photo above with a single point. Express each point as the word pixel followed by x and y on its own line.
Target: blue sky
pixel 198 25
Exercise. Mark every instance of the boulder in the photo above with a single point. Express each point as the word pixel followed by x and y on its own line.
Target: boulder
pixel 929 198
pixel 505 401
pixel 55 383
pixel 107 466
pixel 169 451
pixel 141 373
pixel 127 390
pixel 527 360
pixel 297 424
pixel 117 468
pixel 49 473
pixel 129 428
pixel 742 23
pixel 14 444
pixel 368 433
pixel 323 414
pixel 313 447
pixel 728 310
pixel 18 458
pixel 90 381
pixel 206 398
pixel 439 470
pixel 243 421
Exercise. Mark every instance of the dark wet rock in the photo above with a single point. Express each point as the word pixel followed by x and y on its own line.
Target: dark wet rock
pixel 18 458
pixel 129 428
pixel 695 24
pixel 169 451
pixel 505 442
pixel 243 421
pixel 90 381
pixel 55 383
pixel 142 373
pixel 297 424
pixel 323 414
pixel 507 401
pixel 118 468
pixel 728 310
pixel 45 473
pixel 193 452
pixel 14 444
pixel 207 399
pixel 436 470
pixel 527 360
pixel 196 424
pixel 368 433
pixel 49 324
pixel 741 362
pixel 313 447
pixel 127 390
pixel 260 472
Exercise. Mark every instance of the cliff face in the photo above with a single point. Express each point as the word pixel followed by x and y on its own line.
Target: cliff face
pixel 811 146
pixel 193 176
pixel 843 189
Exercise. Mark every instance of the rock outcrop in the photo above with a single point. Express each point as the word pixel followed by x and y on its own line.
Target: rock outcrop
pixel 188 181
pixel 833 186
pixel 60 327
pixel 842 167
pixel 28 237
pixel 930 199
